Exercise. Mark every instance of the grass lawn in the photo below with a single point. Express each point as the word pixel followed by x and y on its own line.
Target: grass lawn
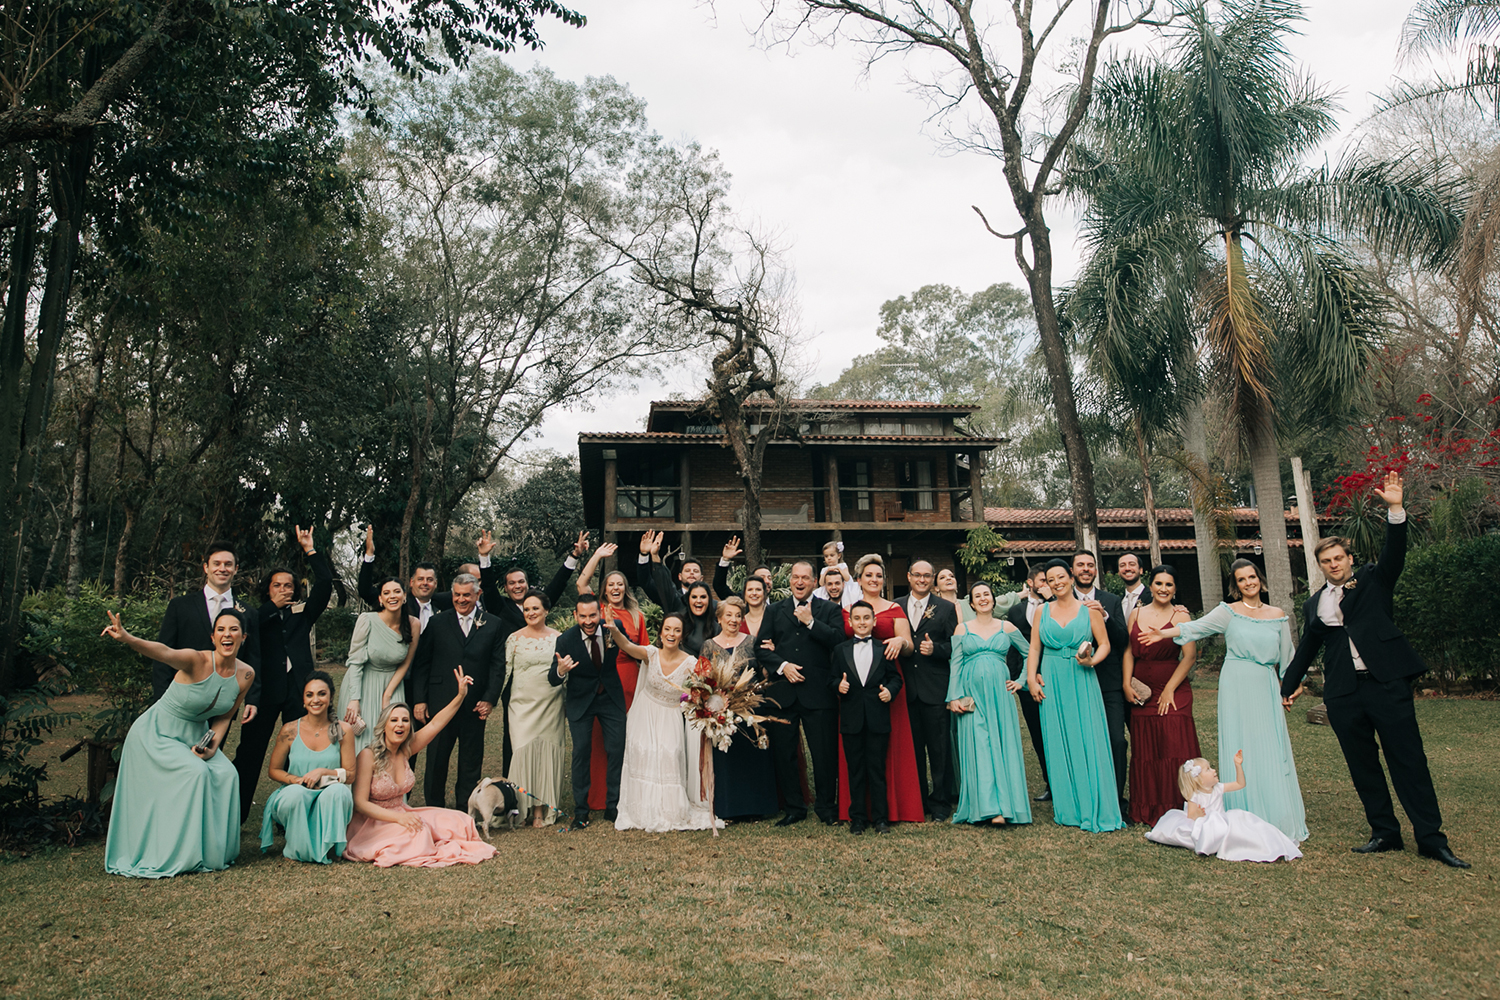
pixel 931 910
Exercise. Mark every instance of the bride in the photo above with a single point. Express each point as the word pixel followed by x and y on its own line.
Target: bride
pixel 658 768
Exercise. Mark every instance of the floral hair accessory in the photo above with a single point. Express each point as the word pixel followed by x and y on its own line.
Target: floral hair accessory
pixel 839 546
pixel 1192 768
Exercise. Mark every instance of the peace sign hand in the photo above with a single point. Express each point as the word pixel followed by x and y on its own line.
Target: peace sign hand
pixel 463 679
pixel 114 629
pixel 485 543
pixel 581 546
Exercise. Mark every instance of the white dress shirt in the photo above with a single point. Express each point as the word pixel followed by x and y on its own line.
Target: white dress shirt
pixel 1331 598
pixel 466 622
pixel 864 659
pixel 1032 603
pixel 914 609
pixel 217 602
pixel 424 614
pixel 1132 599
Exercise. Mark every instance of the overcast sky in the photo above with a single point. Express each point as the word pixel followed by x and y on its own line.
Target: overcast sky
pixel 844 165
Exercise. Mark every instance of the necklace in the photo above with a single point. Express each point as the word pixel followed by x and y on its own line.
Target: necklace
pixel 1253 607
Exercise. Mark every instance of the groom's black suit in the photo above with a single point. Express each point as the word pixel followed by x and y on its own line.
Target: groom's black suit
pixel 1374 702
pixel 927 702
pixel 812 702
pixel 442 647
pixel 592 691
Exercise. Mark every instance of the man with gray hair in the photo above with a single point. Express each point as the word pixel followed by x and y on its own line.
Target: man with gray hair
pixel 464 636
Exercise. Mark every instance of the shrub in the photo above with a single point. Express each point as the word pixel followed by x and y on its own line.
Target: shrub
pixel 334 630
pixel 1458 637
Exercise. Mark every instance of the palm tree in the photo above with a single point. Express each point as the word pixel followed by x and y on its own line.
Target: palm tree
pixel 1206 233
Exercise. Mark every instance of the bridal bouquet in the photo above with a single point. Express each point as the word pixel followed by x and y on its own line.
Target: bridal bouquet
pixel 721 698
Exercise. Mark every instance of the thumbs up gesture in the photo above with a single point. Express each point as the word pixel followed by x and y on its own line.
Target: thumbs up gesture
pixel 844 684
pixel 926 646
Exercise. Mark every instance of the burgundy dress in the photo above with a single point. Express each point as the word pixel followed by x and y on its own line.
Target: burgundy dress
pixel 1159 743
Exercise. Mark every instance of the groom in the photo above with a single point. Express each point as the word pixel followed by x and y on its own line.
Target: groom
pixel 585 662
pixel 1368 668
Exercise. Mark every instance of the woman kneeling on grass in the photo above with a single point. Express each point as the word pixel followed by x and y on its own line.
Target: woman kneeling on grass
pixel 313 761
pixel 386 830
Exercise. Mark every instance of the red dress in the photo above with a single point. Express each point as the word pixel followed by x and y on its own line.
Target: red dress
pixel 630 672
pixel 903 790
pixel 1158 743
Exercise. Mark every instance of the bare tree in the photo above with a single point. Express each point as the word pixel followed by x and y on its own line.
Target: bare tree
pixel 961 33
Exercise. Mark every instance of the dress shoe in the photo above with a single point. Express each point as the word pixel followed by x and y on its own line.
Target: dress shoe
pixel 1379 845
pixel 941 815
pixel 857 829
pixel 1444 855
pixel 580 820
pixel 884 827
pixel 828 819
pixel 1046 796
pixel 790 818
pixel 610 815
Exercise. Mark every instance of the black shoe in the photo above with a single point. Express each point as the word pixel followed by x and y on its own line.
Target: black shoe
pixel 1444 855
pixel 882 827
pixel 580 820
pixel 857 829
pixel 829 819
pixel 1044 797
pixel 792 817
pixel 941 815
pixel 610 815
pixel 1379 845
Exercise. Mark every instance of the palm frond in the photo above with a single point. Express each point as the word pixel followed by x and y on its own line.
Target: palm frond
pixel 1237 339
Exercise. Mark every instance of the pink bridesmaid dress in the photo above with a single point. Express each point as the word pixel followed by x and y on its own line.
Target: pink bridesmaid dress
pixel 447 837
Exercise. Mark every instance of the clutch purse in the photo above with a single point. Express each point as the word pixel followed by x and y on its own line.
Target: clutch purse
pixel 358 726
pixel 967 704
pixel 1141 691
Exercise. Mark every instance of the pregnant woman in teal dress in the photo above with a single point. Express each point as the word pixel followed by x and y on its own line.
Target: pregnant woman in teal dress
pixel 312 809
pixel 1257 649
pixel 1080 763
pixel 991 768
pixel 176 806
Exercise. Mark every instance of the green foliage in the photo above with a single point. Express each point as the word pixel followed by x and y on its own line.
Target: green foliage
pixel 545 512
pixel 977 554
pixel 1458 641
pixel 26 717
pixel 63 632
pixel 335 628
pixel 1458 513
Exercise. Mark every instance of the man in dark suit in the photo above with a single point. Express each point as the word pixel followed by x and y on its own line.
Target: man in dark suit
pixel 866 683
pixel 803 631
pixel 585 661
pixel 1111 672
pixel 505 597
pixel 463 636
pixel 933 622
pixel 1022 615
pixel 689 571
pixel 422 599
pixel 285 626
pixel 1368 667
pixel 188 623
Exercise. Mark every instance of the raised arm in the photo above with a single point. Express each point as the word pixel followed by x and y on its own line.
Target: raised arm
pixel 428 733
pixel 365 583
pixel 322 588
pixel 1393 553
pixel 1213 623
pixel 586 575
pixel 177 659
pixel 623 642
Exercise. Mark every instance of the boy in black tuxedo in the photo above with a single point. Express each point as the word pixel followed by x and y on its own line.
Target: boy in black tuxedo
pixel 866 683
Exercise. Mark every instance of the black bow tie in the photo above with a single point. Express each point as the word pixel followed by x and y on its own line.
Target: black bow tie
pixel 868 638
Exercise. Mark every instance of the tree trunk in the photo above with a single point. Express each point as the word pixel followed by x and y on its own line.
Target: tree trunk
pixel 1265 467
pixel 122 550
pixel 1148 493
pixel 418 462
pixel 82 458
pixel 1060 377
pixel 1210 580
pixel 69 176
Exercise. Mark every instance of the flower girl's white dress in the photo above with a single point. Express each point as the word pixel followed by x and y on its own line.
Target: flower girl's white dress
pixel 1231 834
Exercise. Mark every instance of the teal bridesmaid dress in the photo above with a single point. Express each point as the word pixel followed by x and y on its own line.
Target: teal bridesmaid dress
pixel 1080 763
pixel 1256 651
pixel 991 767
pixel 173 811
pixel 315 819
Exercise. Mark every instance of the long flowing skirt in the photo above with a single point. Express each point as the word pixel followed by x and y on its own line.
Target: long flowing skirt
pixel 655 779
pixel 1251 719
pixel 447 837
pixel 1159 744
pixel 991 767
pixel 1080 763
pixel 316 821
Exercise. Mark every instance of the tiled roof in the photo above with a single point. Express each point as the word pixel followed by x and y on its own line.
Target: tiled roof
pixel 1065 545
pixel 832 404
pixel 658 437
pixel 1015 516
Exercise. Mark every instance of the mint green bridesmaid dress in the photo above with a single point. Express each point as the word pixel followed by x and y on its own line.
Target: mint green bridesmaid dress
pixel 991 763
pixel 316 820
pixel 173 811
pixel 1080 763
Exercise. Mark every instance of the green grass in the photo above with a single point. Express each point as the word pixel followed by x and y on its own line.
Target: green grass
pixel 931 910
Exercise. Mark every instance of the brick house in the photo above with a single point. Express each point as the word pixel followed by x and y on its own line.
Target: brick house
pixel 895 478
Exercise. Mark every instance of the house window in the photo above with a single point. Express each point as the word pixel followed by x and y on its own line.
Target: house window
pixel 883 425
pixel 917 482
pixel 924 426
pixel 646 487
pixel 854 490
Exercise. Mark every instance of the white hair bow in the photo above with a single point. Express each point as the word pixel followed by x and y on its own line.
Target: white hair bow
pixel 1193 768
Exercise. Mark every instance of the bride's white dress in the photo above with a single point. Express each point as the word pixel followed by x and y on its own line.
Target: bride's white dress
pixel 659 766
pixel 1229 834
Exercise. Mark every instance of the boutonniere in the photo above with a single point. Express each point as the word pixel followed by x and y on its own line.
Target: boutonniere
pixel 1351 584
pixel 239 607
pixel 928 613
pixel 479 622
pixel 299 607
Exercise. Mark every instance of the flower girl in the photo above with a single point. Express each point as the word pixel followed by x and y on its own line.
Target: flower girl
pixel 1204 825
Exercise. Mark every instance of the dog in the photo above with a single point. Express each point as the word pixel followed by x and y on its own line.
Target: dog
pixel 490 797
